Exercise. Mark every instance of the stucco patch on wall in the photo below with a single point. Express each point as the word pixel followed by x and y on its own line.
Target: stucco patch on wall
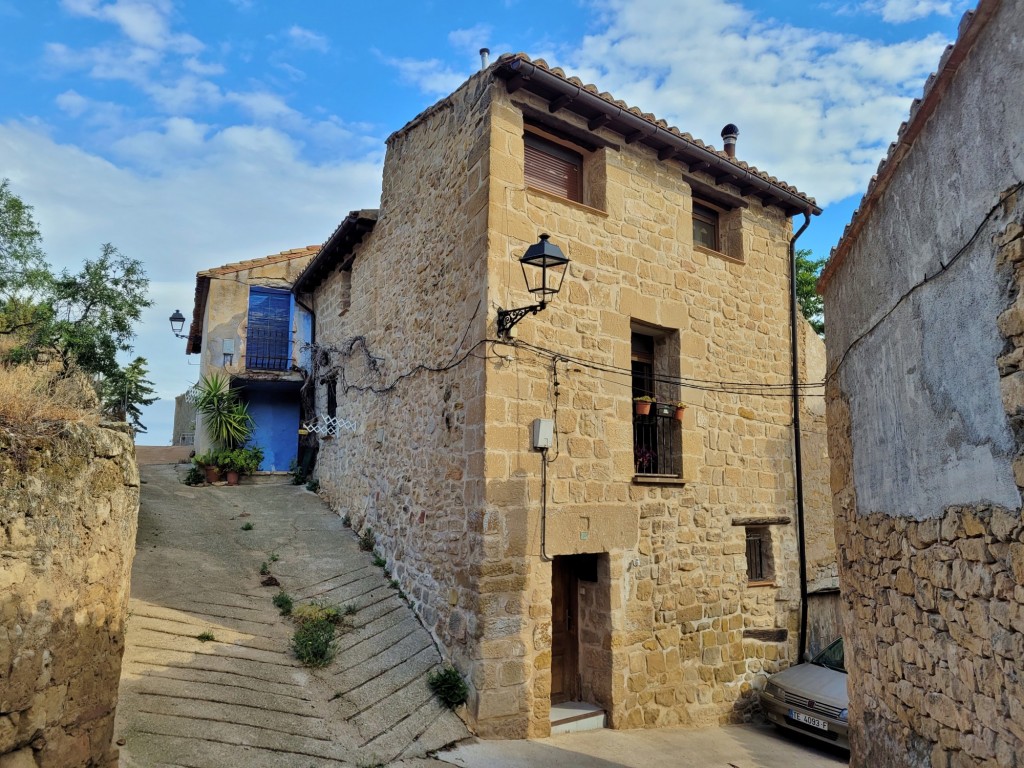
pixel 928 431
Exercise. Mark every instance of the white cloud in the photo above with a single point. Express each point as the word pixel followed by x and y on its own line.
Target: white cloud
pixel 470 40
pixel 814 108
pixel 197 67
pixel 72 103
pixel 145 22
pixel 305 38
pixel 899 11
pixel 432 76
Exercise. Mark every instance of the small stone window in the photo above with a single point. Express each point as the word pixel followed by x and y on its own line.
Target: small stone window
pixel 760 562
pixel 705 227
pixel 553 168
pixel 332 397
pixel 717 228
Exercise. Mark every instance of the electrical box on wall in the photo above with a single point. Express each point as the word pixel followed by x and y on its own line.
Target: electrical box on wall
pixel 543 433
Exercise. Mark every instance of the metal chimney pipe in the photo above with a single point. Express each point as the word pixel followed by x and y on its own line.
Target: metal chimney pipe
pixel 485 57
pixel 729 135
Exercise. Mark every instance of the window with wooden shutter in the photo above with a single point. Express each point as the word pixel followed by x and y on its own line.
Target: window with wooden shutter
pixel 705 227
pixel 553 168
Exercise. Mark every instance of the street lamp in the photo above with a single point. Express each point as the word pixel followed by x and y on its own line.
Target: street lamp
pixel 544 280
pixel 177 323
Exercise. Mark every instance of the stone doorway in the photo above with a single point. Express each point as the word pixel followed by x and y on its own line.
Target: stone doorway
pixel 580 641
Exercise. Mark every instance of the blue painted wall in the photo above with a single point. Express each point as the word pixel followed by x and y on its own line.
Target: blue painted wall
pixel 275 409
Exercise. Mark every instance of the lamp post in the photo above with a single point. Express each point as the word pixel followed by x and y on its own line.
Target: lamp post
pixel 177 323
pixel 544 280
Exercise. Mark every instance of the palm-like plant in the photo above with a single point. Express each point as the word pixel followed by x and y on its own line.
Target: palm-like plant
pixel 226 417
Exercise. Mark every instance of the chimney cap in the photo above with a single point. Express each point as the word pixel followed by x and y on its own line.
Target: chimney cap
pixel 730 130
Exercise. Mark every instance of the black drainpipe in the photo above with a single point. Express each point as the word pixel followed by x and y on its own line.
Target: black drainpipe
pixel 799 466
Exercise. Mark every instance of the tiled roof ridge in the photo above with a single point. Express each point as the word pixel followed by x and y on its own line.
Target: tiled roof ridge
pixel 274 258
pixel 921 110
pixel 652 119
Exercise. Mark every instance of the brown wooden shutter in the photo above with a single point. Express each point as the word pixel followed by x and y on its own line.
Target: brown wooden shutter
pixel 553 168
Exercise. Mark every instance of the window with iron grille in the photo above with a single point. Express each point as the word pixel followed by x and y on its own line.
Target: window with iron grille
pixel 760 565
pixel 657 437
pixel 269 334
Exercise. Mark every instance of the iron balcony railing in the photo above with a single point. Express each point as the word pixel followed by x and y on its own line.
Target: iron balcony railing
pixel 657 442
pixel 266 349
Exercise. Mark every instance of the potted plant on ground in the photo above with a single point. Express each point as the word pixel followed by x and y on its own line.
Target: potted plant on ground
pixel 208 463
pixel 240 461
pixel 643 405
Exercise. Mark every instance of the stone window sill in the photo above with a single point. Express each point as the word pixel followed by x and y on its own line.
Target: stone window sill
pixel 558 198
pixel 768 583
pixel 717 254
pixel 658 480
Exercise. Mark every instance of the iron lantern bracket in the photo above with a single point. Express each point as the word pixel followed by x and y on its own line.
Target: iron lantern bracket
pixel 507 318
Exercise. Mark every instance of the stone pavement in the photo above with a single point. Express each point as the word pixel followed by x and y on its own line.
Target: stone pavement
pixel 733 746
pixel 241 699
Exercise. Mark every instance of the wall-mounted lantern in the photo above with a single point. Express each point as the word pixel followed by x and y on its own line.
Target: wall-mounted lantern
pixel 177 323
pixel 544 280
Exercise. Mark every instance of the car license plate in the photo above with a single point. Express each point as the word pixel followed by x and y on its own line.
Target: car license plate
pixel 800 717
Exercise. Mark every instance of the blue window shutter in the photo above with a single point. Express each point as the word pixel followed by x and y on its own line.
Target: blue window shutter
pixel 268 337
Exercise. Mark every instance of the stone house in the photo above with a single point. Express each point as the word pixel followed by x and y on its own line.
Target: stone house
pixel 639 564
pixel 925 407
pixel 246 324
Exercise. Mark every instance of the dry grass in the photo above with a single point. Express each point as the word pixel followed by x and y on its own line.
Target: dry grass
pixel 32 395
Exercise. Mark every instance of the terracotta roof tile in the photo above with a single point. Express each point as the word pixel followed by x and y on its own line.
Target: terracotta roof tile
pixel 238 266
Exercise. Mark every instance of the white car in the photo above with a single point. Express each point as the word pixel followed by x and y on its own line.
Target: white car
pixel 811 698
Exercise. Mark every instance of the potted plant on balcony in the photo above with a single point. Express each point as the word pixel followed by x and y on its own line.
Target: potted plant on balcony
pixel 643 405
pixel 645 459
pixel 680 411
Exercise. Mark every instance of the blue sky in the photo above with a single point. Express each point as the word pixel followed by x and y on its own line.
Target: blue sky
pixel 192 133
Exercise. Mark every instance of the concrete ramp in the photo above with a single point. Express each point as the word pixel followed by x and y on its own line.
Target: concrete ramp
pixel 208 677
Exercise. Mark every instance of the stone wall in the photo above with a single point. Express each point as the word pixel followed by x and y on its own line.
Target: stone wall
pixel 68 513
pixel 925 414
pixel 408 464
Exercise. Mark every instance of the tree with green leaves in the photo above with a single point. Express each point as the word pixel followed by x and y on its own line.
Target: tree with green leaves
pixel 23 268
pixel 94 312
pixel 81 320
pixel 807 271
pixel 125 390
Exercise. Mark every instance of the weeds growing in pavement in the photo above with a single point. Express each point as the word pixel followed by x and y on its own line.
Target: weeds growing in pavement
pixel 448 685
pixel 367 541
pixel 248 527
pixel 264 568
pixel 283 602
pixel 205 637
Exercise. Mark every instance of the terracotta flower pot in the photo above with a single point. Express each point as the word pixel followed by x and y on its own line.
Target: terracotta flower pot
pixel 642 407
pixel 232 477
pixel 680 410
pixel 212 473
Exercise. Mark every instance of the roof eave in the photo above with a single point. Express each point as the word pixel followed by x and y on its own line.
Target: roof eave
pixel 336 252
pixel 518 72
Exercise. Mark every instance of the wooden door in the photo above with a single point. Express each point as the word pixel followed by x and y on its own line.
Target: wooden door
pixel 564 632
